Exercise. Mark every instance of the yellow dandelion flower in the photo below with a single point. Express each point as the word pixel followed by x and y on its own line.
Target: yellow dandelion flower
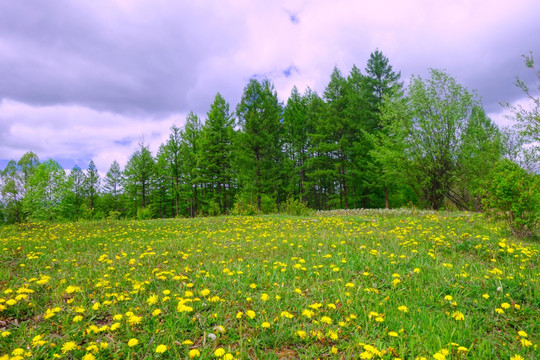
pixel 265 297
pixel 403 308
pixel 250 314
pixel 522 333
pixel 219 352
pixel 205 292
pixel 517 357
pixel 458 315
pixel 393 334
pixel 133 342
pixel 160 349
pixel 525 342
pixel 89 356
pixel 67 347
pixel 193 353
pixel 265 325
pixel 326 320
pixel 505 305
pixel 153 299
pixel 77 318
pixel 485 296
pixel 156 312
pixel 301 334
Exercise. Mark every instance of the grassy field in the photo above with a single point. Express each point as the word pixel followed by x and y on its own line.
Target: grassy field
pixel 337 285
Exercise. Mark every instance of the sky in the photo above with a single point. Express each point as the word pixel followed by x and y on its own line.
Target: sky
pixel 82 80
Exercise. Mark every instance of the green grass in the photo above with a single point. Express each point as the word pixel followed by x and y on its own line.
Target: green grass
pixel 337 285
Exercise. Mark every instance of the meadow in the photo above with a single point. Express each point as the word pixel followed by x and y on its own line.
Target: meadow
pixel 336 285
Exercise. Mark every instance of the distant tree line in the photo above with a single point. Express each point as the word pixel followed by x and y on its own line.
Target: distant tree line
pixel 366 142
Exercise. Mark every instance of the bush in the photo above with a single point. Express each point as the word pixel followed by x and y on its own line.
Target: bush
pixel 144 213
pixel 242 206
pixel 513 194
pixel 296 207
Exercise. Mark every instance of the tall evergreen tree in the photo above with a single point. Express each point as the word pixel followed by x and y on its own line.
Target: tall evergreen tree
pixel 138 175
pixel 382 81
pixel 260 153
pixel 77 180
pixel 216 147
pixel 173 164
pixel 189 150
pixel 91 184
pixel 113 183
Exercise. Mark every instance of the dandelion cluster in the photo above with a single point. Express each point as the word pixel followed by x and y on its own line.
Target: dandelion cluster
pixel 343 284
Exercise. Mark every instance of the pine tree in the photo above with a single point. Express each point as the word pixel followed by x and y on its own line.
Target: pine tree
pixel 173 163
pixel 215 153
pixel 113 183
pixel 189 150
pixel 91 184
pixel 260 152
pixel 138 175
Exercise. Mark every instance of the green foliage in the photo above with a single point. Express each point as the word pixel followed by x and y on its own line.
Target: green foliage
pixel 242 206
pixel 144 213
pixel 296 207
pixel 513 195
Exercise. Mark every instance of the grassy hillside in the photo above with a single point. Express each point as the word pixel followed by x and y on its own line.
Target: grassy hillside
pixel 338 285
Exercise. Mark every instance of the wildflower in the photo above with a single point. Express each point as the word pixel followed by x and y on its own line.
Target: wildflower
pixel 239 315
pixel 228 356
pixel 67 347
pixel 393 334
pixel 458 315
pixel 160 349
pixel 517 357
pixel 265 297
pixel 301 334
pixel 525 342
pixel 448 298
pixel 265 325
pixel 134 320
pixel 522 333
pixel 485 296
pixel 77 318
pixel 326 320
pixel 308 313
pixel 132 342
pixel 156 312
pixel 499 311
pixel 334 350
pixel 205 292
pixel 403 309
pixel 5 333
pixel 253 286
pixel 287 314
pixel 89 356
pixel 250 313
pixel 439 356
pixel 219 352
pixel 17 352
pixel 153 299
pixel 194 353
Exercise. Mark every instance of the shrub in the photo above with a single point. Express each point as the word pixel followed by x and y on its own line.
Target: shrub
pixel 296 207
pixel 242 206
pixel 144 213
pixel 513 194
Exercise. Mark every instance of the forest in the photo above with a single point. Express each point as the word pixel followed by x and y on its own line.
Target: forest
pixel 369 141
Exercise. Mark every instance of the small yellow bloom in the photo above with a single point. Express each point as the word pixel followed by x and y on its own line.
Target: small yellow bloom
pixel 132 342
pixel 326 320
pixel 485 296
pixel 77 318
pixel 517 357
pixel 156 312
pixel 265 325
pixel 67 347
pixel 505 305
pixel 250 313
pixel 89 356
pixel 525 342
pixel 393 334
pixel 194 353
pixel 219 352
pixel 522 333
pixel 458 315
pixel 160 349
pixel 403 308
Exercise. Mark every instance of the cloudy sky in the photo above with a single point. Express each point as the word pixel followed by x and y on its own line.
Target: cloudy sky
pixel 83 80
